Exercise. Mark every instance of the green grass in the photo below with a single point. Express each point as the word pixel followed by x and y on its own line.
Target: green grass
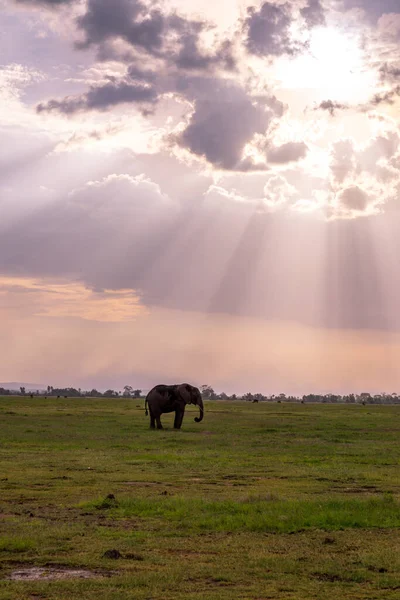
pixel 259 501
pixel 196 515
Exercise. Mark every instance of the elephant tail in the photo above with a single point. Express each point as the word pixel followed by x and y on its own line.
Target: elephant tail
pixel 146 412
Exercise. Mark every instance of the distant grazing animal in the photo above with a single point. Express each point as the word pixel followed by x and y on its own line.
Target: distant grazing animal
pixel 172 398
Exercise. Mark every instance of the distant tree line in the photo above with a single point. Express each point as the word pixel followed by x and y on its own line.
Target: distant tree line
pixel 71 392
pixel 209 393
pixel 363 398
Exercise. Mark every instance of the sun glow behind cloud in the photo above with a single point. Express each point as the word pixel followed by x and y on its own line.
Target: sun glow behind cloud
pixel 334 66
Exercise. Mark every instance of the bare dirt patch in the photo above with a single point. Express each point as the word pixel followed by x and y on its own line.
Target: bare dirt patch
pixel 45 573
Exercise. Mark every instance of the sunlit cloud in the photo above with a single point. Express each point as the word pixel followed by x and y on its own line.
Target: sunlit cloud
pixel 25 297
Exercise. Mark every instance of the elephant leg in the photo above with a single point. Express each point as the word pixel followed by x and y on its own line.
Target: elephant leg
pixel 178 419
pixel 158 420
pixel 152 420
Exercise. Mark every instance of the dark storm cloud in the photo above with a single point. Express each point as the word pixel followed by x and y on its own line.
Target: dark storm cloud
pixel 101 98
pixel 149 30
pixel 190 58
pixel 105 19
pixel 268 30
pixel 290 152
pixel 166 42
pixel 313 13
pixel 225 119
pixel 141 75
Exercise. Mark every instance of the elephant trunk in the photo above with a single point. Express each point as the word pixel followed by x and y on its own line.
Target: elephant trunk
pixel 200 418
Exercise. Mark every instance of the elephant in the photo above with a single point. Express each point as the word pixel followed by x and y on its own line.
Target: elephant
pixel 172 398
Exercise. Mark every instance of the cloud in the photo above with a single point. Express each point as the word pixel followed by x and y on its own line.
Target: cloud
pixel 225 118
pixel 130 20
pixel 278 191
pixel 373 9
pixel 354 198
pixel 102 97
pixel 190 57
pixel 222 252
pixel 157 34
pixel 109 218
pixel 231 251
pixel 67 299
pixel 389 26
pixel 343 161
pixel 331 106
pixel 389 72
pixel 380 147
pixel 364 178
pixel 268 30
pixel 277 194
pixel 313 13
pixel 49 3
pixel 158 46
pixel 388 97
pixel 289 152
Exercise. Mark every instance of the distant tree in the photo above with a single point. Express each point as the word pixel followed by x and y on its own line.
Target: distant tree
pixel 137 393
pixel 350 399
pixel 208 392
pixel 128 390
pixel 364 398
pixel 248 397
pixel 71 392
pixel 259 397
pixel 233 397
pixel 22 390
pixel 110 394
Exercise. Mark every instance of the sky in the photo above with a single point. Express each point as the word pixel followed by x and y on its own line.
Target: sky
pixel 200 191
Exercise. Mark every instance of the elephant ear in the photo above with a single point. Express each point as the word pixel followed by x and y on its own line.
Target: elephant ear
pixel 185 393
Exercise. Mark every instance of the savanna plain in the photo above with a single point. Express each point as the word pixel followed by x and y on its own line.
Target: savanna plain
pixel 259 501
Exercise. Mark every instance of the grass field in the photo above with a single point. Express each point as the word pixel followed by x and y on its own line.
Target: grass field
pixel 259 501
